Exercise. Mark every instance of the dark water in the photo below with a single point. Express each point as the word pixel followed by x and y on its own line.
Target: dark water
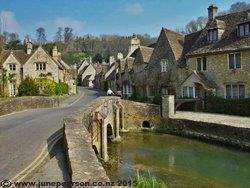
pixel 179 162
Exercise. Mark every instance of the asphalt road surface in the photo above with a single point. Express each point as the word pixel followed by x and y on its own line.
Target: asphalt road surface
pixel 23 135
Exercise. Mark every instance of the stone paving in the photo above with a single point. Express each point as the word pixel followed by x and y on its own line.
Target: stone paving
pixel 235 121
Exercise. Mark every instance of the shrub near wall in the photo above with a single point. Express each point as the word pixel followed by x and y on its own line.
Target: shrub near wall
pixel 239 107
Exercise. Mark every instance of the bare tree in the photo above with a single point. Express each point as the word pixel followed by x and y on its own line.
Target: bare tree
pixel 239 6
pixel 41 35
pixel 59 35
pixel 68 37
pixel 13 37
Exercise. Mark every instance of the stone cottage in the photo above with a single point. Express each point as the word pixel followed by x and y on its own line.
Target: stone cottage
pixel 218 59
pixel 162 70
pixel 86 73
pixel 36 63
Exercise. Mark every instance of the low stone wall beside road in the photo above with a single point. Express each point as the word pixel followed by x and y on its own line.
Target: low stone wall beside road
pixel 11 105
pixel 82 161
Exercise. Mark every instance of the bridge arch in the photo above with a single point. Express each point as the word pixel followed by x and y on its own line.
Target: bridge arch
pixel 110 132
pixel 146 124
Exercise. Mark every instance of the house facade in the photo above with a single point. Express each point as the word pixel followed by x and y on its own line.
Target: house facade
pixel 86 73
pixel 162 70
pixel 219 59
pixel 16 65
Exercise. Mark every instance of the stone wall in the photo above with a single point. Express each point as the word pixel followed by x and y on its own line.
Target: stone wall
pixel 211 132
pixel 8 106
pixel 82 161
pixel 135 113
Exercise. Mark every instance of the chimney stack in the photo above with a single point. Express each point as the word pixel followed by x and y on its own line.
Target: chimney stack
pixel 29 46
pixel 55 52
pixel 212 12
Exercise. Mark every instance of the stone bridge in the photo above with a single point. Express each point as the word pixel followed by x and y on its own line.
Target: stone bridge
pixel 105 125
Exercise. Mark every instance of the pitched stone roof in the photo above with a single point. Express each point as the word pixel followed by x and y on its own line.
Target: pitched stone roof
pixel 146 53
pixel 176 41
pixel 208 84
pixel 20 55
pixel 229 40
pixel 189 41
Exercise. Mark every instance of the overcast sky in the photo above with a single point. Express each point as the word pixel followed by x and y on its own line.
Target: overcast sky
pixel 96 17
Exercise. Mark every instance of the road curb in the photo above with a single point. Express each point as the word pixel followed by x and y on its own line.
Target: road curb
pixel 39 160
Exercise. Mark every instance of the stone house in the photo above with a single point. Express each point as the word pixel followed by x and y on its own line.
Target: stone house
pixel 218 59
pixel 141 57
pixel 36 63
pixel 99 81
pixel 162 69
pixel 86 73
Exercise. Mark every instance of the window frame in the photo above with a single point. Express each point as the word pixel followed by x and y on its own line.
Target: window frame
pixel 188 91
pixel 243 28
pixel 213 35
pixel 163 65
pixel 232 96
pixel 41 66
pixel 202 63
pixel 234 63
pixel 12 67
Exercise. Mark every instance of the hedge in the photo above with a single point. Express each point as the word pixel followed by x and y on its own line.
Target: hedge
pixel 220 105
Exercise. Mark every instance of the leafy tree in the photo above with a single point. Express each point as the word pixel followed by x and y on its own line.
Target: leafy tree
pixel 41 35
pixel 15 45
pixel 98 58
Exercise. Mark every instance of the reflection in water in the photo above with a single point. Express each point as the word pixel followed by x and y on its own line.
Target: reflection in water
pixel 179 162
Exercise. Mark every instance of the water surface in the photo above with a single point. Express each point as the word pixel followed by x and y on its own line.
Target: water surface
pixel 179 162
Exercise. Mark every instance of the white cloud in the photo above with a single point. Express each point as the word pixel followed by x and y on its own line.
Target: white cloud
pixel 8 21
pixel 77 25
pixel 133 9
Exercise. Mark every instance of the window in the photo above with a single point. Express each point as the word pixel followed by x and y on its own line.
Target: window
pixel 164 91
pixel 40 66
pixel 212 35
pixel 12 89
pixel 234 61
pixel 235 91
pixel 244 29
pixel 188 92
pixel 201 64
pixel 12 67
pixel 163 66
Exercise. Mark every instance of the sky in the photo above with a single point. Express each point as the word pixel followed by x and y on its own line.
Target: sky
pixel 96 17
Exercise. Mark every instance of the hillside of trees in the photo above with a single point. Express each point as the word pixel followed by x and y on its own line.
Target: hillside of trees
pixel 75 48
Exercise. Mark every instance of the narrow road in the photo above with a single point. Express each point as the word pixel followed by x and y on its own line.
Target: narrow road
pixel 23 135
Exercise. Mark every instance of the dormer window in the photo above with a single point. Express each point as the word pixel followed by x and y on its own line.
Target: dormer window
pixel 212 35
pixel 40 66
pixel 244 29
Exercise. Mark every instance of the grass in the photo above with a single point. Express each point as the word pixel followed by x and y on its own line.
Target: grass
pixel 150 182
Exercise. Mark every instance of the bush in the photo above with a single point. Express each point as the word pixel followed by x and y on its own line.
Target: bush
pixel 157 99
pixel 28 87
pixel 220 105
pixel 46 86
pixel 58 89
pixel 64 87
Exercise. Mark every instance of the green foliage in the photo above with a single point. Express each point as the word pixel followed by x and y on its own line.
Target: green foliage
pixel 74 57
pixel 46 86
pixel 220 105
pixel 28 87
pixel 98 58
pixel 64 87
pixel 138 98
pixel 15 45
pixel 157 99
pixel 58 89
pixel 150 182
